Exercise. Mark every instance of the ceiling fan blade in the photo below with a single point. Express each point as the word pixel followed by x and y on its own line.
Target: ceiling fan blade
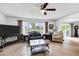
pixel 44 6
pixel 51 9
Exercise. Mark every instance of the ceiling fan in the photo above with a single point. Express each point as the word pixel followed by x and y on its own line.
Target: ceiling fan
pixel 44 9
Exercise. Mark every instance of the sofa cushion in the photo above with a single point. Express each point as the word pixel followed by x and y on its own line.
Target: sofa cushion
pixel 38 37
pixel 37 34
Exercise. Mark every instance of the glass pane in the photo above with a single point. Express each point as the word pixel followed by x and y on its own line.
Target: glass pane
pixel 34 27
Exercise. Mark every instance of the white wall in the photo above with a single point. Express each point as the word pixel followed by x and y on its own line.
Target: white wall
pixel 8 20
pixel 11 21
pixel 2 19
pixel 58 25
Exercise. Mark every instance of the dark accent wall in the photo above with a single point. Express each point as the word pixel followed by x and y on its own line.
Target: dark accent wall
pixel 8 30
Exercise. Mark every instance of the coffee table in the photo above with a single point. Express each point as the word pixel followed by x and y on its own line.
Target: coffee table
pixel 43 44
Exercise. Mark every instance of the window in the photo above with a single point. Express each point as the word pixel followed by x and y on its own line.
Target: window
pixel 34 27
pixel 65 28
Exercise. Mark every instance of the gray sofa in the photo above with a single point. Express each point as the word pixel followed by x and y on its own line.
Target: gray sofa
pixel 34 35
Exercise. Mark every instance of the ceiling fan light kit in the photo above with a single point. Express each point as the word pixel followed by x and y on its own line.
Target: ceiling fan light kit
pixel 45 13
pixel 42 11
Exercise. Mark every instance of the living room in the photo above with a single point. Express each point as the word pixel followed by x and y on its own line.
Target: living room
pixel 53 28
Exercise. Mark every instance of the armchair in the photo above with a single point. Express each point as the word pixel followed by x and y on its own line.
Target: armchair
pixel 58 37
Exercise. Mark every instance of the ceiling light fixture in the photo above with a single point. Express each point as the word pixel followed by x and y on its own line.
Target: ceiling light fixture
pixel 42 11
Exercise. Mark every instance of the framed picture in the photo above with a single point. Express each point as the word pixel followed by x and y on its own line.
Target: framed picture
pixel 51 26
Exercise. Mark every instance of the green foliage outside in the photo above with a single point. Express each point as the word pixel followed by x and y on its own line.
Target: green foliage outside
pixel 65 27
pixel 34 27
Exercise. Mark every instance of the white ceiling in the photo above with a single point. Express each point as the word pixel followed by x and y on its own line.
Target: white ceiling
pixel 32 10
